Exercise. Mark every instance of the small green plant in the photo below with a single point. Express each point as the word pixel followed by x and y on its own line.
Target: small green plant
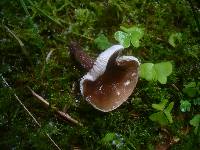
pixel 195 122
pixel 129 36
pixel 175 38
pixel 102 42
pixel 192 89
pixel 185 105
pixel 84 16
pixel 113 139
pixel 156 72
pixel 163 116
pixel 196 101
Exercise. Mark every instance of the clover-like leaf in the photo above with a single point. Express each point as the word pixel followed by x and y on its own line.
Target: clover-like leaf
pixel 185 105
pixel 102 42
pixel 147 71
pixel 161 105
pixel 129 35
pixel 163 70
pixel 167 112
pixel 159 117
pixel 154 72
pixel 136 34
pixel 195 122
pixel 123 38
pixel 134 41
pixel 163 116
pixel 174 38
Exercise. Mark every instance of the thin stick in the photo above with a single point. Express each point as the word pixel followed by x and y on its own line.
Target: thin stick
pixel 24 51
pixel 29 113
pixel 14 35
pixel 60 113
pixel 175 87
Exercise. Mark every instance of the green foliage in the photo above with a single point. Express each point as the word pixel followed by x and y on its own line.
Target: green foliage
pixel 45 26
pixel 156 72
pixel 113 139
pixel 185 105
pixel 192 89
pixel 102 42
pixel 129 36
pixel 196 101
pixel 108 137
pixel 175 38
pixel 84 16
pixel 195 122
pixel 163 116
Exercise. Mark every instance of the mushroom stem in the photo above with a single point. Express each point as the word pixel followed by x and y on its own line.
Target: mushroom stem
pixel 79 55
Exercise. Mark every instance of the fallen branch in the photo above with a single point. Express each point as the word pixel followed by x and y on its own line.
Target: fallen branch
pixel 29 113
pixel 60 113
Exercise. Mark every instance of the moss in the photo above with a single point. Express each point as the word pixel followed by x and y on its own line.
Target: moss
pixel 32 29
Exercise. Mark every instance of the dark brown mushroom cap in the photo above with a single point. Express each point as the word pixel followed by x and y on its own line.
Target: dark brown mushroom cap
pixel 111 80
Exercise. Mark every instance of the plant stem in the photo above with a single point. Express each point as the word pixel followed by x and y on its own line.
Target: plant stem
pixel 60 113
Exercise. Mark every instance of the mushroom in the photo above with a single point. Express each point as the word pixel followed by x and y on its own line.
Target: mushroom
pixel 110 79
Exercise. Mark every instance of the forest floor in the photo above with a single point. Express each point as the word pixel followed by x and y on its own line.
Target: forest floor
pixel 34 54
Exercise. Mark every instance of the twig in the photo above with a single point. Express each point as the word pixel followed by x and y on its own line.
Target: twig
pixel 15 36
pixel 24 51
pixel 60 113
pixel 29 113
pixel 174 86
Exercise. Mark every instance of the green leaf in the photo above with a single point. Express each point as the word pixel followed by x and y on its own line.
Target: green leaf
pixel 191 85
pixel 147 71
pixel 191 92
pixel 164 115
pixel 129 35
pixel 185 105
pixel 174 38
pixel 154 72
pixel 159 117
pixel 161 105
pixel 102 42
pixel 167 112
pixel 196 101
pixel 123 38
pixel 137 32
pixel 163 70
pixel 108 137
pixel 135 42
pixel 195 122
pixel 191 89
pixel 136 35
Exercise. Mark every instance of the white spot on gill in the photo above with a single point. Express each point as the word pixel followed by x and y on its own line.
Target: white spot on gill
pixel 100 88
pixel 127 82
pixel 133 74
pixel 118 93
pixel 88 98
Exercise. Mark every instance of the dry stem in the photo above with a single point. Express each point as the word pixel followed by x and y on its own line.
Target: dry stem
pixel 60 113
